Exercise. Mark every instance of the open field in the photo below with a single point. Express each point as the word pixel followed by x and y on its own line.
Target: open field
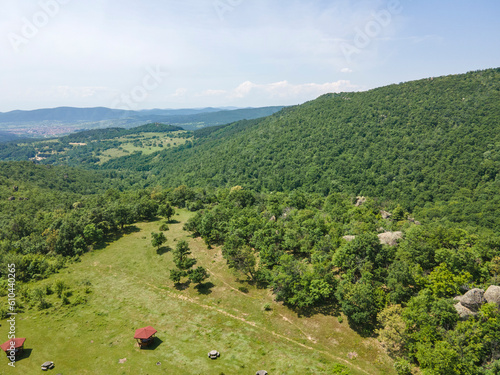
pixel 147 143
pixel 107 149
pixel 130 289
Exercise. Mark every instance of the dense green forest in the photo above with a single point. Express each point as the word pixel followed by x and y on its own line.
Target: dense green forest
pixel 338 253
pixel 284 197
pixel 431 145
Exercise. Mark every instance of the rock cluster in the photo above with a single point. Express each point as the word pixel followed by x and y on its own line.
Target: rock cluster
pixel 470 303
pixel 390 238
pixel 360 201
pixel 386 238
pixel 492 295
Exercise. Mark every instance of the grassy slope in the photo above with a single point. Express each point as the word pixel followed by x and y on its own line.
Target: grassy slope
pixel 131 289
pixel 127 145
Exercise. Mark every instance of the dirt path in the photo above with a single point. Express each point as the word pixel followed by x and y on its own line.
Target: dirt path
pixel 253 324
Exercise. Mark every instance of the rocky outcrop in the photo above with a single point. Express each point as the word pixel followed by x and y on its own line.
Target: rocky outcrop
pixel 492 295
pixel 470 303
pixel 386 238
pixel 412 220
pixel 385 214
pixel 390 238
pixel 463 311
pixel 473 299
pixel 360 201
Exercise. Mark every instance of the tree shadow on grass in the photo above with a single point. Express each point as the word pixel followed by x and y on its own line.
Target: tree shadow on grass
pixel 162 250
pixel 131 229
pixel 173 221
pixel 182 286
pixel 116 236
pixel 326 309
pixel 205 288
pixel 24 355
pixel 259 284
pixel 156 343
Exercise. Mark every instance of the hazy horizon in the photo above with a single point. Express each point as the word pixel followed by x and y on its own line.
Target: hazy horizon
pixel 231 53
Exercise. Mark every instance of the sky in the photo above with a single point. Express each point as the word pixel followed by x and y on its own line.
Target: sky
pixel 242 53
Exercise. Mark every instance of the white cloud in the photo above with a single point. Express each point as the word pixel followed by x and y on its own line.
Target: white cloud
pixel 286 90
pixel 180 92
pixel 243 90
pixel 346 70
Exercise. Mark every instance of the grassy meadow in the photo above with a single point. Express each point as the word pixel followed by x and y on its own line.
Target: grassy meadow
pixel 126 285
pixel 150 143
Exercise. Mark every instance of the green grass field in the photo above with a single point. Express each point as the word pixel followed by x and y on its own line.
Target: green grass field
pixel 130 289
pixel 151 144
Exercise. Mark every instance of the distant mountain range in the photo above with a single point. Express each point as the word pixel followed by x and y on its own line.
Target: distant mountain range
pixel 62 120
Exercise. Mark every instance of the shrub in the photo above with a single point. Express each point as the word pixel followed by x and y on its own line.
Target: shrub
pixel 403 367
pixel 60 286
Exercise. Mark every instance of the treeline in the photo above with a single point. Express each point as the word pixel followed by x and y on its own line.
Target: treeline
pixel 43 227
pixel 322 254
pixel 110 133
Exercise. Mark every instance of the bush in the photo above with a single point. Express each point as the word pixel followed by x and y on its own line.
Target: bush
pixel 80 300
pixel 164 227
pixel 44 304
pixel 340 369
pixel 3 312
pixel 267 307
pixel 60 286
pixel 48 289
pixel 403 367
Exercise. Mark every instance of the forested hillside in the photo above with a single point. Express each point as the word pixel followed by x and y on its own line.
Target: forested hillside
pixel 430 141
pixel 339 253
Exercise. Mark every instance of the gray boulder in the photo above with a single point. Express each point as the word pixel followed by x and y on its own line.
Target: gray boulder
pixel 463 311
pixel 492 295
pixel 385 214
pixel 473 299
pixel 360 201
pixel 349 238
pixel 390 238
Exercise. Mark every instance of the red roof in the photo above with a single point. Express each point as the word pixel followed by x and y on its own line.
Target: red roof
pixel 18 342
pixel 145 333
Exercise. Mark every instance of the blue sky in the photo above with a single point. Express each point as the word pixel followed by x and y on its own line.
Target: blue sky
pixel 198 53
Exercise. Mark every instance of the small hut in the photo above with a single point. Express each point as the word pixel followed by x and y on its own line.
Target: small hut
pixel 15 345
pixel 145 336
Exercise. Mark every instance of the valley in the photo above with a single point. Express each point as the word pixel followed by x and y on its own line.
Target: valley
pixel 337 235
